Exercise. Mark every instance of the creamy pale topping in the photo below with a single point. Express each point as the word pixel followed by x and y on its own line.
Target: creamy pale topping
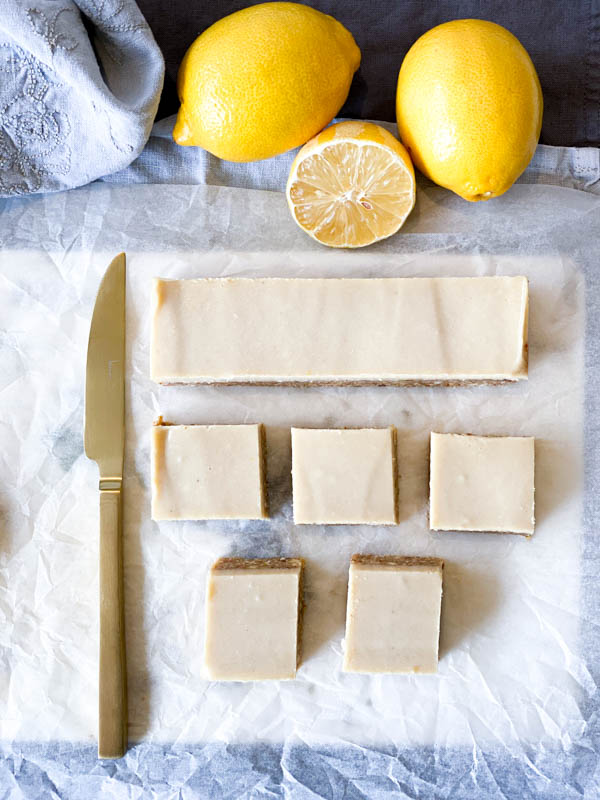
pixel 393 614
pixel 252 620
pixel 344 476
pixel 482 483
pixel 380 330
pixel 207 472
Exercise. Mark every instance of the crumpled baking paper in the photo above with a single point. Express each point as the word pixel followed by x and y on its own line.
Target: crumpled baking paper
pixel 516 685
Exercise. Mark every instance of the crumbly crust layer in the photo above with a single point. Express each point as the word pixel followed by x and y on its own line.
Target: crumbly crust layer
pixel 396 561
pixel 299 384
pixel 262 466
pixel 258 563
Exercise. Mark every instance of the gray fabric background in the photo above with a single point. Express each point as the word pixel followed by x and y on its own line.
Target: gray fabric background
pixel 562 37
pixel 163 161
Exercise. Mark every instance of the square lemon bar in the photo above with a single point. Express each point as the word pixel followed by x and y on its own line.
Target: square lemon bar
pixel 482 483
pixel 208 472
pixel 345 476
pixel 253 619
pixel 393 614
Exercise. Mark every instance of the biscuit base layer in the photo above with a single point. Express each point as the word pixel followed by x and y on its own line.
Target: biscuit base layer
pixel 397 561
pixel 308 382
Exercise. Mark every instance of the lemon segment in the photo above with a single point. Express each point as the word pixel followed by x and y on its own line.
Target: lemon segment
pixel 351 185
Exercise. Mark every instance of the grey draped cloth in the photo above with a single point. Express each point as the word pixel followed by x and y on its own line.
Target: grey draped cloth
pixel 79 89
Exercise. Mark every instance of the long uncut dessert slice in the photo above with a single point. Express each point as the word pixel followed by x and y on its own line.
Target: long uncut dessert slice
pixel 340 330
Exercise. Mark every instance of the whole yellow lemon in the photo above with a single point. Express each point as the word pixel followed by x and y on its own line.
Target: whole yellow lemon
pixel 263 80
pixel 469 107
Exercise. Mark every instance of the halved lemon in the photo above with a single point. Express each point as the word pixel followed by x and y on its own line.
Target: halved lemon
pixel 351 185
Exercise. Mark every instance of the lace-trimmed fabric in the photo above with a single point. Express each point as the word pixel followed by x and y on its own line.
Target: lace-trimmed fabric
pixel 73 109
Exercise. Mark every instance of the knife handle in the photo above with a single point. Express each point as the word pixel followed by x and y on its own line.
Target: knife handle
pixel 112 696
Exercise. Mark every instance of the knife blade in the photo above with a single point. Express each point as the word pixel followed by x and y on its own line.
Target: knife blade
pixel 105 443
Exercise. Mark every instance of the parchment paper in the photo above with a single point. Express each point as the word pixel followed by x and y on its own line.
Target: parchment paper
pixel 516 674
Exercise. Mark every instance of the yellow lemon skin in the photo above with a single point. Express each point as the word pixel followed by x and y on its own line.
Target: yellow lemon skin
pixel 264 80
pixel 469 107
pixel 357 131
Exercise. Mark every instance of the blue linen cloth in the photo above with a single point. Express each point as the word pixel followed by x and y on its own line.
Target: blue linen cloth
pixel 164 161
pixel 73 106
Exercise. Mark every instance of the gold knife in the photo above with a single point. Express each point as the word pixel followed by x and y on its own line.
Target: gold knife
pixel 105 443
